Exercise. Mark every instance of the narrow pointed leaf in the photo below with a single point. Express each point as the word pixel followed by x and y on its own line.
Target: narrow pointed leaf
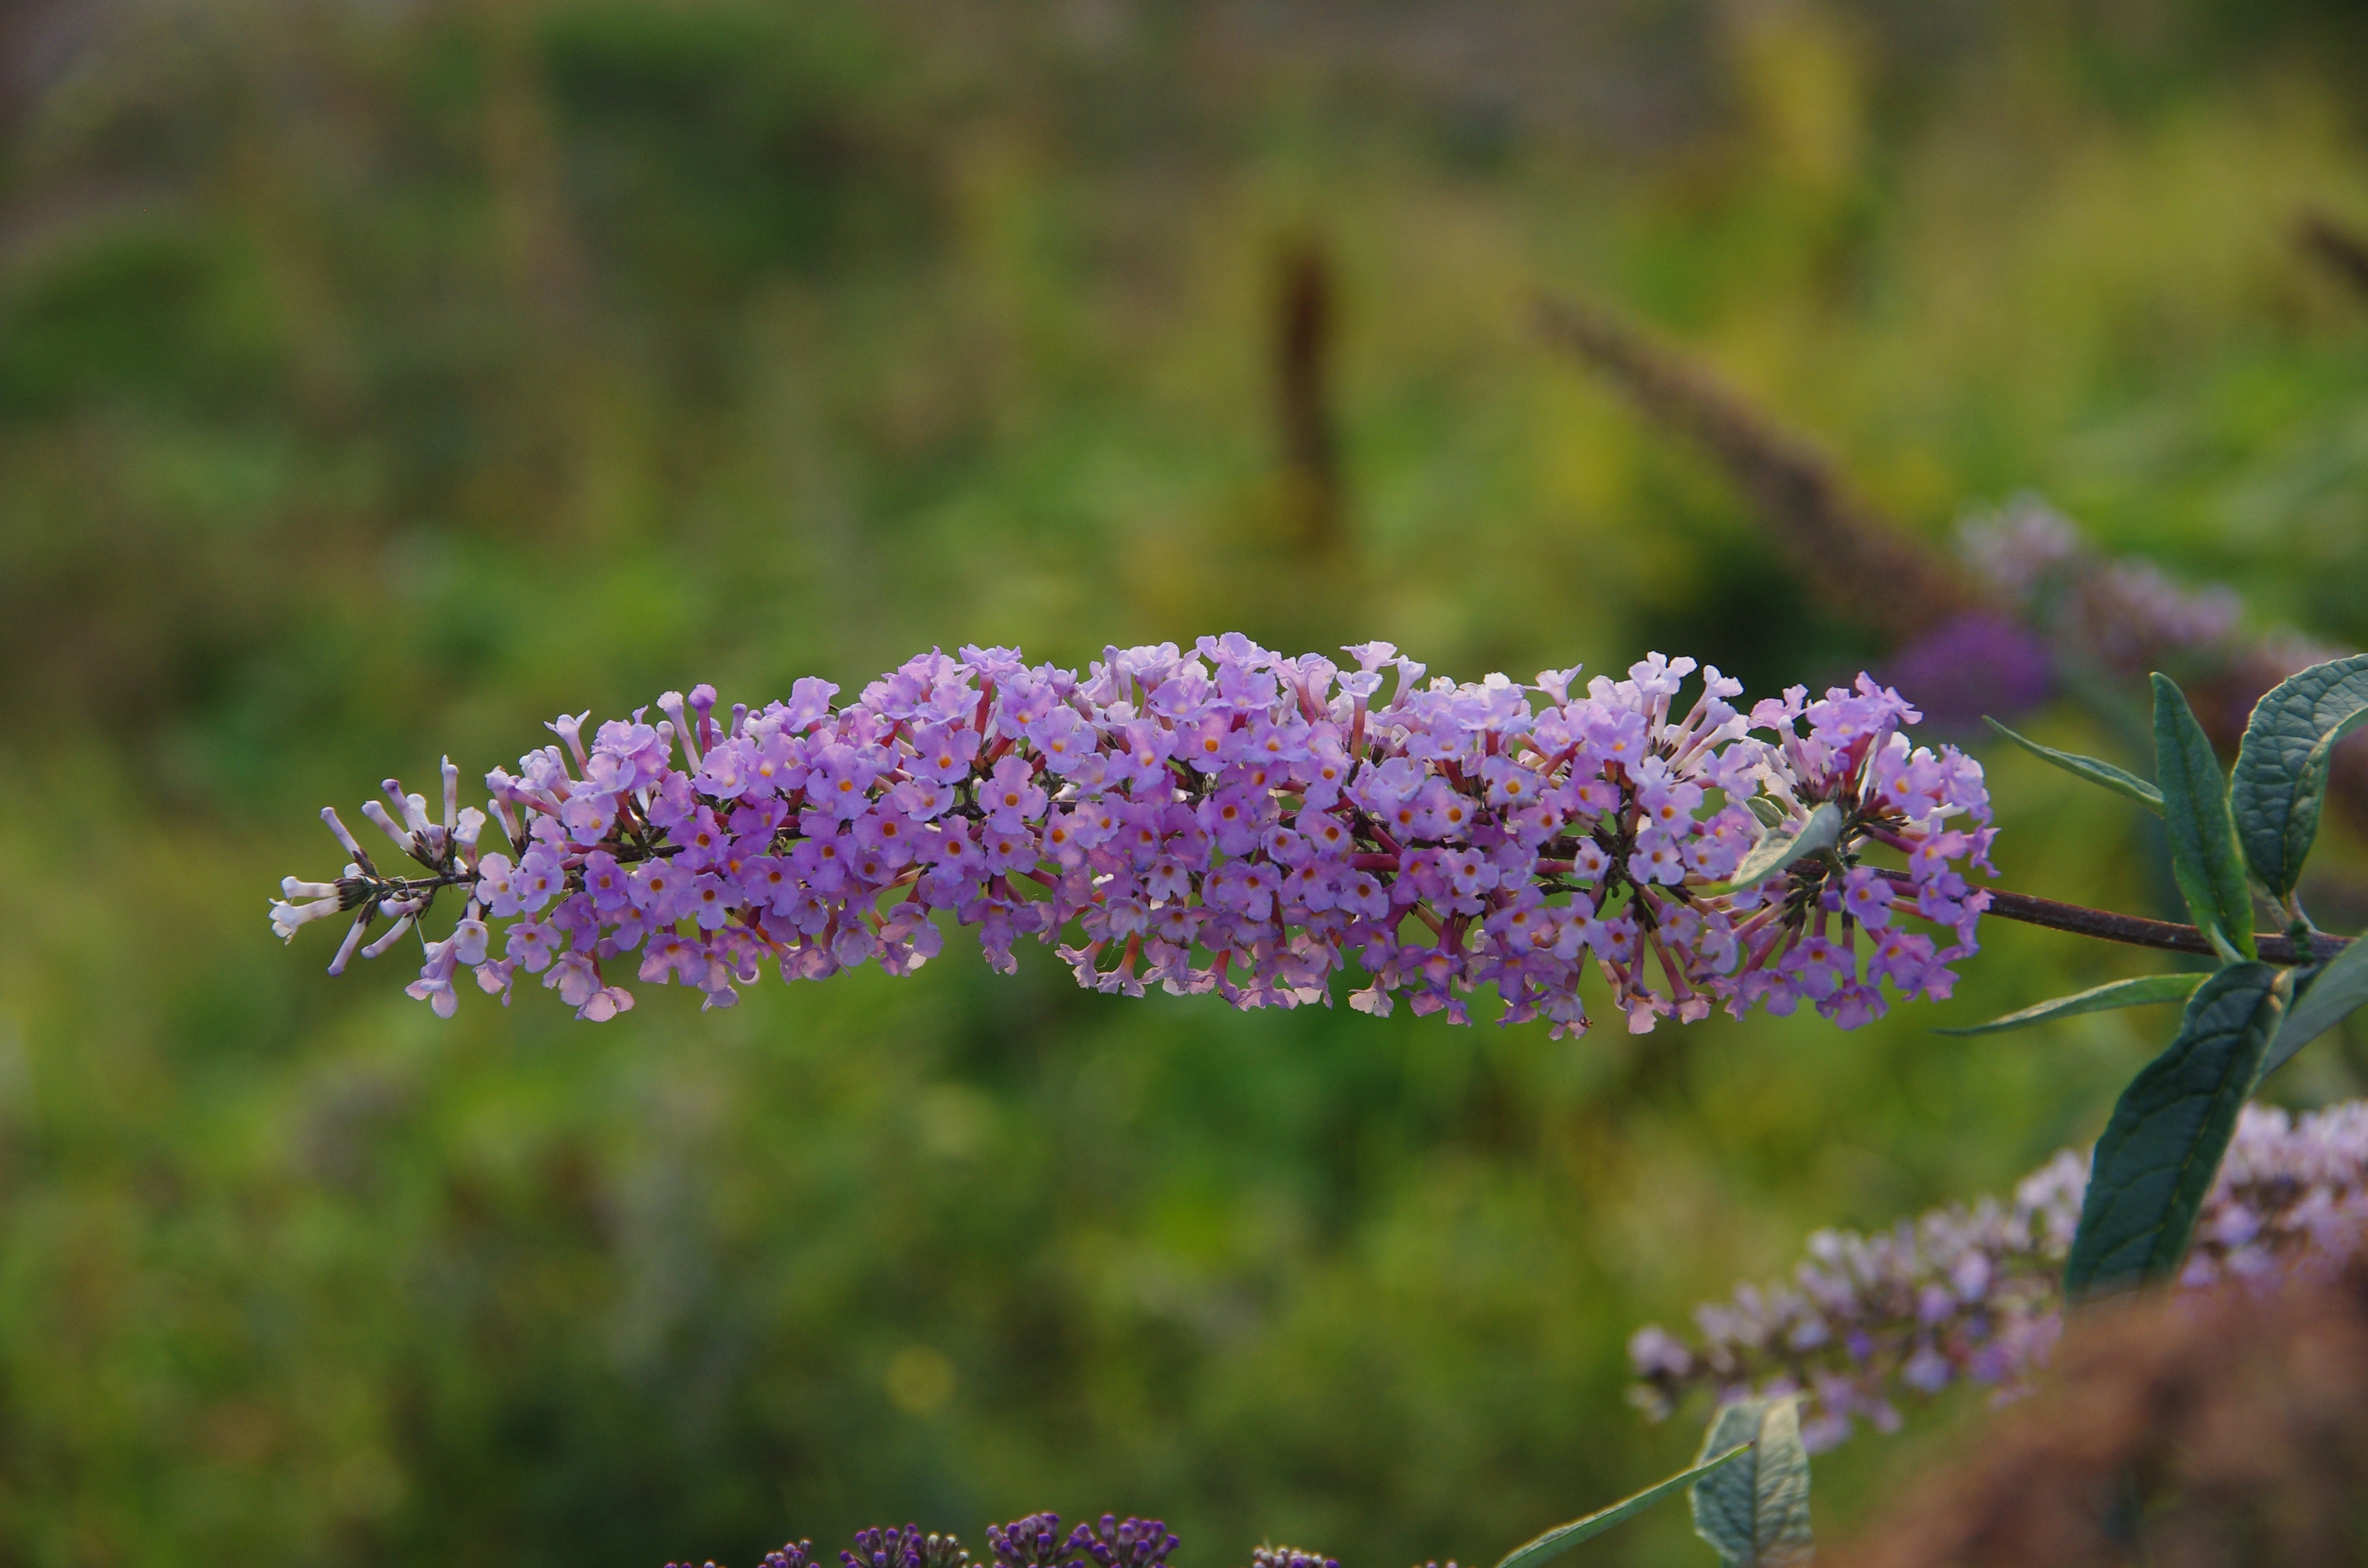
pixel 2139 991
pixel 2121 781
pixel 2163 1145
pixel 1561 1538
pixel 2339 989
pixel 1777 848
pixel 1779 1508
pixel 2282 766
pixel 2203 853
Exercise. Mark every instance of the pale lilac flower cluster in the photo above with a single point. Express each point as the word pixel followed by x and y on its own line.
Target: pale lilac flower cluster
pixel 1976 1293
pixel 1225 820
pixel 1292 1557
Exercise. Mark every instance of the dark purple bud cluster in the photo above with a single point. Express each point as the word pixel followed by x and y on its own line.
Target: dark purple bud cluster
pixel 1124 1543
pixel 1034 1541
pixel 907 1547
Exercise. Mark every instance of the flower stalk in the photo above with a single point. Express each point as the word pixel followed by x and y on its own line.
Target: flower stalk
pixel 2138 931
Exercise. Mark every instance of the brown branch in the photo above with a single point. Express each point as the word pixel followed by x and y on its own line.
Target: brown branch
pixel 2135 930
pixel 1833 533
pixel 2341 248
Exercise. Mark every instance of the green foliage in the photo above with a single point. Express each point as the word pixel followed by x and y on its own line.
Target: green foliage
pixel 2119 780
pixel 2137 992
pixel 2323 998
pixel 1561 1538
pixel 2203 854
pixel 1756 1512
pixel 2281 767
pixel 2162 1148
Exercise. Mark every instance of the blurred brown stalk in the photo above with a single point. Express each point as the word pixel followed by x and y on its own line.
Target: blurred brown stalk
pixel 1303 338
pixel 2338 246
pixel 1841 542
pixel 1872 567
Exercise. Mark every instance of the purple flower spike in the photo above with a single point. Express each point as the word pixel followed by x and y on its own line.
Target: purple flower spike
pixel 1228 820
pixel 1976 1294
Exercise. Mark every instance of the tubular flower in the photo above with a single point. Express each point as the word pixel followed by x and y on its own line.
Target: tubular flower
pixel 1976 1294
pixel 1225 820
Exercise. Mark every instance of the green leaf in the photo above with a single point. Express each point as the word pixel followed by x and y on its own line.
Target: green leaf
pixel 1561 1538
pixel 2333 991
pixel 2119 780
pixel 2134 993
pixel 2203 854
pixel 1777 848
pixel 1756 1512
pixel 1780 1514
pixel 1721 1504
pixel 2282 762
pixel 2163 1145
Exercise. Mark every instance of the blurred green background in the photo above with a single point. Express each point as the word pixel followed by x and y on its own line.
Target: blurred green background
pixel 379 378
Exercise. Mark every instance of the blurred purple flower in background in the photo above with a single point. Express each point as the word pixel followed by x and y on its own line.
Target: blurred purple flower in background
pixel 1975 1294
pixel 1980 662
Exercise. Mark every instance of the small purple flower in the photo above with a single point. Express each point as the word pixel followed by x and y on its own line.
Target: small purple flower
pixel 1010 795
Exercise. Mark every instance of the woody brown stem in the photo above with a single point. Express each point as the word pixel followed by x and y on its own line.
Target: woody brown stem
pixel 2135 930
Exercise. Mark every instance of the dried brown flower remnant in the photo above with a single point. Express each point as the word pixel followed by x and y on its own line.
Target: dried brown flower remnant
pixel 2224 1427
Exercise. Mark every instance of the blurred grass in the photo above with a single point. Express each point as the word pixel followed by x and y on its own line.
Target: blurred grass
pixel 375 380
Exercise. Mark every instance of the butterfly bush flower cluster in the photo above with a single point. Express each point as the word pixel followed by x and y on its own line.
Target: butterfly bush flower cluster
pixel 2123 613
pixel 1225 819
pixel 1975 1294
pixel 1292 1557
pixel 1035 1542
